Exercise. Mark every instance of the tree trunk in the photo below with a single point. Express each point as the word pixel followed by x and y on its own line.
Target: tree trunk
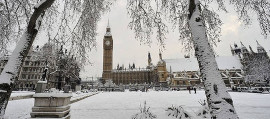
pixel 17 58
pixel 219 101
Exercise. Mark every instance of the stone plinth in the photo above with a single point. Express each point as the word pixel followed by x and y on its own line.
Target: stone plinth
pixel 77 88
pixel 66 88
pixel 51 105
pixel 41 86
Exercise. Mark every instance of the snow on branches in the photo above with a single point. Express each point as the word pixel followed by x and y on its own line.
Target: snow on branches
pixel 260 7
pixel 180 113
pixel 144 113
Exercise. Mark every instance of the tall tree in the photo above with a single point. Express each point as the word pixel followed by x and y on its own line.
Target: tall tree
pixel 199 28
pixel 26 16
pixel 15 61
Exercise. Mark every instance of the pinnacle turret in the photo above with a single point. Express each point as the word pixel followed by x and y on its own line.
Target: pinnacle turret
pixel 244 49
pixel 260 49
pixel 149 59
pixel 108 30
pixel 160 55
pixel 232 50
pixel 251 50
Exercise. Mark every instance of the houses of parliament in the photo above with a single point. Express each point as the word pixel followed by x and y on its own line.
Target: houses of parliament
pixel 242 67
pixel 130 75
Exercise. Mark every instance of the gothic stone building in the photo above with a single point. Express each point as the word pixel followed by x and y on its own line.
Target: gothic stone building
pixel 235 70
pixel 34 64
pixel 185 72
pixel 242 68
pixel 256 65
pixel 31 70
pixel 122 75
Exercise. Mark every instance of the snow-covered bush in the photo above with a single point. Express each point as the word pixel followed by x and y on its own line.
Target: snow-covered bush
pixel 203 112
pixel 178 113
pixel 144 113
pixel 181 113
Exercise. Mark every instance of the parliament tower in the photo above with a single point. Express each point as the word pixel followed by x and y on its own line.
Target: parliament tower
pixel 123 75
pixel 107 54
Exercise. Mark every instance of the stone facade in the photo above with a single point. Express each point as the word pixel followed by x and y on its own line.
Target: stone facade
pixel 132 76
pixel 31 70
pixel 231 77
pixel 185 78
pixel 161 70
pixel 107 54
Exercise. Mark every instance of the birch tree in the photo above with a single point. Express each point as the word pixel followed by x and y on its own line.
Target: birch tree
pixel 15 61
pixel 23 19
pixel 199 28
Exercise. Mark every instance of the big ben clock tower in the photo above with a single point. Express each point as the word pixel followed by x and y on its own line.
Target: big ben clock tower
pixel 107 54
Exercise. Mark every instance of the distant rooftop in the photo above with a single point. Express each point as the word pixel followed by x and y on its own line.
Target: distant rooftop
pixel 191 64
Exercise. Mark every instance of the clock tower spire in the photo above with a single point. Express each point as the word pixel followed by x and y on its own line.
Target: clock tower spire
pixel 108 30
pixel 107 54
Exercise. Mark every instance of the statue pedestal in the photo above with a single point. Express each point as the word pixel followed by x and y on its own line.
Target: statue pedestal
pixel 66 88
pixel 51 105
pixel 41 86
pixel 78 88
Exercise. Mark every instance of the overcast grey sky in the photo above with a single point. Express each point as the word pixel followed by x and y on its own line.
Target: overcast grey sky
pixel 128 50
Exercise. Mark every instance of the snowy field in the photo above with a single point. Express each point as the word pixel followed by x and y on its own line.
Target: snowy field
pixel 122 105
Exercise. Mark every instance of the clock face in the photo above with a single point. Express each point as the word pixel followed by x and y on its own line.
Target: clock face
pixel 107 43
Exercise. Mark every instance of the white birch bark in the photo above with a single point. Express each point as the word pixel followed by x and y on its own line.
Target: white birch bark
pixel 219 100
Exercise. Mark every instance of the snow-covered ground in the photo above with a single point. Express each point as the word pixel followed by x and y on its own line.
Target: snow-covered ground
pixel 21 93
pixel 122 105
pixel 20 109
pixel 80 95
